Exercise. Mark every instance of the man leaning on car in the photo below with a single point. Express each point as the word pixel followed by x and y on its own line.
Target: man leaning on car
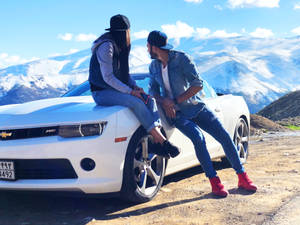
pixel 175 83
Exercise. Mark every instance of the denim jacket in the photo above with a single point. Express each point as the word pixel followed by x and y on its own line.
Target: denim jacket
pixel 182 75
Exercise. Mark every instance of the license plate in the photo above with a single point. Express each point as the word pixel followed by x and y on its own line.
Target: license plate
pixel 7 170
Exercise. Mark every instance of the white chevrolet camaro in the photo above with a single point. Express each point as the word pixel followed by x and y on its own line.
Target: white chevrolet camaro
pixel 70 144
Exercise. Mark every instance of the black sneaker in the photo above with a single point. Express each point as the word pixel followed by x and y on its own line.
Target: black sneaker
pixel 171 149
pixel 158 149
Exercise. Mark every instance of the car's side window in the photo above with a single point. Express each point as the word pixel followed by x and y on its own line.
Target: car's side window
pixel 207 91
pixel 86 93
pixel 143 83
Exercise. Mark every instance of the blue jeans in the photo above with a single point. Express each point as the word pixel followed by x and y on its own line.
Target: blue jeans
pixel 208 122
pixel 147 114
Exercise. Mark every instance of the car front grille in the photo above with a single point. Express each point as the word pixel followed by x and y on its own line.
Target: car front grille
pixel 28 133
pixel 43 169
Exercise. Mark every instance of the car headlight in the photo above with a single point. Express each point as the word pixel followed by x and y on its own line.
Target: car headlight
pixel 82 130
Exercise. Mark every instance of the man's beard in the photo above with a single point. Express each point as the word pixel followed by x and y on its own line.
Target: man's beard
pixel 152 54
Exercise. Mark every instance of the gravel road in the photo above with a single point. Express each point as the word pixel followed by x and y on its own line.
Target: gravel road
pixel 185 198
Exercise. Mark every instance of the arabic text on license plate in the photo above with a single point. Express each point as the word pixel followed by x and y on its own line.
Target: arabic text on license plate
pixel 7 170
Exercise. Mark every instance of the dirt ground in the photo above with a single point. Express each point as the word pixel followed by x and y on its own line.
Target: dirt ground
pixel 185 198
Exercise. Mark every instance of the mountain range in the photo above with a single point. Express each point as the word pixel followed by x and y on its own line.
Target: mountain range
pixel 261 70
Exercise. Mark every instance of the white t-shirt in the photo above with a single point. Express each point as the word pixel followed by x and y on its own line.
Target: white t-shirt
pixel 165 77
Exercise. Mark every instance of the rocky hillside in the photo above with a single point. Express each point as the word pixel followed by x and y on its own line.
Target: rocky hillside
pixel 261 124
pixel 295 121
pixel 285 107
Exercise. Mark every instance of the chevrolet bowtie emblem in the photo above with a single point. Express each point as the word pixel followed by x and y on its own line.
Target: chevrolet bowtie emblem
pixel 5 135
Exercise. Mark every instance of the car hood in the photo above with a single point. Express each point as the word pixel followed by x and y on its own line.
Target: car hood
pixel 55 111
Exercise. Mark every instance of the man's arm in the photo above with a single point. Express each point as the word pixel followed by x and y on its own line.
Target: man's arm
pixel 192 76
pixel 169 104
pixel 190 92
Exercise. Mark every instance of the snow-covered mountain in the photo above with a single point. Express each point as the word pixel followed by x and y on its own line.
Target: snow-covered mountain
pixel 261 70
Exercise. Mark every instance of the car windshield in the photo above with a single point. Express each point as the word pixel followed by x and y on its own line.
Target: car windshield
pixel 142 80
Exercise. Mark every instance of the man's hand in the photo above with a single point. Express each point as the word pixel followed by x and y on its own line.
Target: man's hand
pixel 167 102
pixel 169 107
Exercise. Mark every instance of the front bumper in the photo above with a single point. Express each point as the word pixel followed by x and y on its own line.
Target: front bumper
pixel 106 177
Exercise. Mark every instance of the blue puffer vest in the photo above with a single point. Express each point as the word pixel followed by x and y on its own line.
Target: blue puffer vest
pixel 95 75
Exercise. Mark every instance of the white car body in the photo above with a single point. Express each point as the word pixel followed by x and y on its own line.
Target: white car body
pixel 109 156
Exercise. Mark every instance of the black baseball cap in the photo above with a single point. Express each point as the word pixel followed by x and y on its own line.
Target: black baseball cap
pixel 159 39
pixel 119 23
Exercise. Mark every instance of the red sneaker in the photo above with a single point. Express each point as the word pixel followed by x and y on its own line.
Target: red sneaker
pixel 245 182
pixel 217 187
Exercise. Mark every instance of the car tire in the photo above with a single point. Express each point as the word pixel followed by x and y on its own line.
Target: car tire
pixel 144 171
pixel 241 141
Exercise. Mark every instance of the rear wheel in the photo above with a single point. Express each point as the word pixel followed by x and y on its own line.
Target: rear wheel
pixel 241 139
pixel 143 171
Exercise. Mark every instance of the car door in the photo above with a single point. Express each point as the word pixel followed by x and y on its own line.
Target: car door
pixel 211 100
pixel 187 157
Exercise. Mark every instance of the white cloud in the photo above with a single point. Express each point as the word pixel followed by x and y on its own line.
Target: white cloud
pixel 178 30
pixel 65 37
pixel 140 34
pixel 10 60
pixel 262 33
pixel 297 6
pixel 183 30
pixel 224 34
pixel 85 37
pixel 78 37
pixel 194 1
pixel 253 3
pixel 202 33
pixel 218 7
pixel 296 31
pixel 3 55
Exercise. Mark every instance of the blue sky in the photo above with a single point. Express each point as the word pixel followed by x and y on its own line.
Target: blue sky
pixel 34 29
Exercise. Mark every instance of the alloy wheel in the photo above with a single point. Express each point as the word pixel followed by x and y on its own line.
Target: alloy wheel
pixel 242 139
pixel 148 167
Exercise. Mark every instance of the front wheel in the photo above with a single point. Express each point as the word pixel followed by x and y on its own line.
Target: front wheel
pixel 143 171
